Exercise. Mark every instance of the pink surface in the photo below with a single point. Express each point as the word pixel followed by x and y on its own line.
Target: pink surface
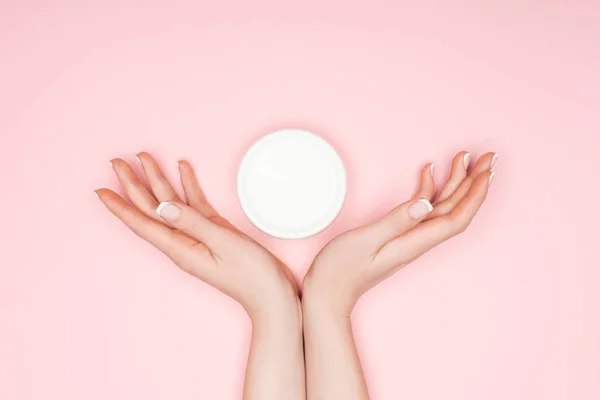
pixel 510 310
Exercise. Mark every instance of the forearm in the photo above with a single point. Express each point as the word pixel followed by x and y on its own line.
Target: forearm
pixel 333 369
pixel 275 368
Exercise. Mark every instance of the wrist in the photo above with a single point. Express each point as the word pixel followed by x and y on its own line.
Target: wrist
pixel 321 323
pixel 285 314
pixel 323 301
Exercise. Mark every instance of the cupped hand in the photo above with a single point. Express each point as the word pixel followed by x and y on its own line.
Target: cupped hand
pixel 357 260
pixel 198 240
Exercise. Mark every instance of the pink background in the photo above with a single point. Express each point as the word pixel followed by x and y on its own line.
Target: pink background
pixel 509 310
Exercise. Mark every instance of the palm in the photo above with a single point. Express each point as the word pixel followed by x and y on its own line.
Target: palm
pixel 209 247
pixel 357 260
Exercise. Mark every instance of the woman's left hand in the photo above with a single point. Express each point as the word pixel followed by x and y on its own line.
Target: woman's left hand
pixel 200 241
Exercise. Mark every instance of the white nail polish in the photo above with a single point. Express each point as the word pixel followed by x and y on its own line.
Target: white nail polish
pixel 420 208
pixel 168 211
pixel 494 160
pixel 466 158
pixel 431 168
pixel 491 179
pixel 428 204
pixel 161 206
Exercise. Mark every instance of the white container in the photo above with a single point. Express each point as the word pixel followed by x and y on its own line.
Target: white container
pixel 291 184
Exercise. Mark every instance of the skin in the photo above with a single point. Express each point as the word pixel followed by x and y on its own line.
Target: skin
pixel 359 259
pixel 202 243
pixel 205 245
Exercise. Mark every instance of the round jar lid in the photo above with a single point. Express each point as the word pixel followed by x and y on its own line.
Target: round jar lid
pixel 291 184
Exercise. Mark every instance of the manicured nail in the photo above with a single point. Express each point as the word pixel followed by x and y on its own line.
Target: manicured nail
pixel 168 211
pixel 138 160
pixel 494 160
pixel 96 193
pixel 110 162
pixel 420 208
pixel 491 179
pixel 431 168
pixel 466 158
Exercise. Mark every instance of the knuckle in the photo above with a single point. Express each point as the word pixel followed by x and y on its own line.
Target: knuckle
pixel 451 186
pixel 463 225
pixel 443 208
pixel 123 210
pixel 135 185
pixel 457 224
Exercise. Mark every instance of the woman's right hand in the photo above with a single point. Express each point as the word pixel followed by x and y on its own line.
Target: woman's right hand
pixel 357 260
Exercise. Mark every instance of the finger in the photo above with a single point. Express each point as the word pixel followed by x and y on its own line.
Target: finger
pixel 189 221
pixel 162 189
pixel 404 249
pixel 401 219
pixel 427 188
pixel 174 244
pixel 193 192
pixel 196 198
pixel 483 165
pixel 408 214
pixel 135 189
pixel 460 163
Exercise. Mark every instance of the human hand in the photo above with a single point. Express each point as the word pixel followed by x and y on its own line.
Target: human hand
pixel 199 240
pixel 357 260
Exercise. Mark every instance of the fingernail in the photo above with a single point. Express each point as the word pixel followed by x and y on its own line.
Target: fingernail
pixel 96 193
pixel 168 211
pixel 138 160
pixel 420 209
pixel 110 162
pixel 494 160
pixel 466 158
pixel 431 168
pixel 491 179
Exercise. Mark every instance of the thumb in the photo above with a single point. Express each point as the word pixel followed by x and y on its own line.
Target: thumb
pixel 189 221
pixel 401 219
